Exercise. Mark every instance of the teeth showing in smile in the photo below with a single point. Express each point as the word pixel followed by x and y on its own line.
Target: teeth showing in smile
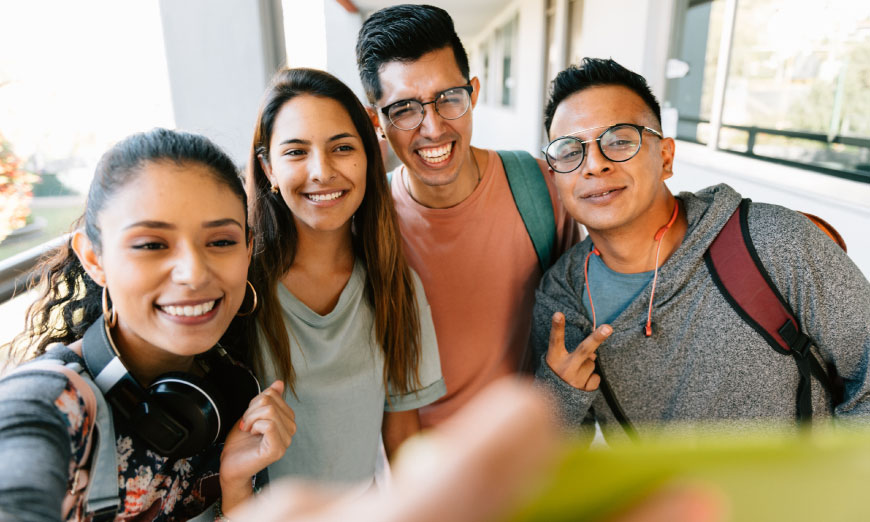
pixel 599 195
pixel 189 311
pixel 436 154
pixel 325 197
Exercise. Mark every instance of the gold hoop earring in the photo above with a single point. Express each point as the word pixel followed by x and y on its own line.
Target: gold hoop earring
pixel 274 189
pixel 110 316
pixel 255 301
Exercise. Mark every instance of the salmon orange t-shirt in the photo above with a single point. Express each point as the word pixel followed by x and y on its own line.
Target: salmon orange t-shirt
pixel 479 270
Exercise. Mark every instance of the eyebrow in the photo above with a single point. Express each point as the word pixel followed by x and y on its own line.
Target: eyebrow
pixel 338 136
pixel 163 225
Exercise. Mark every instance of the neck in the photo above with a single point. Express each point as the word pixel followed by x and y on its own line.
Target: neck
pixel 143 363
pixel 632 249
pixel 453 193
pixel 321 268
pixel 323 252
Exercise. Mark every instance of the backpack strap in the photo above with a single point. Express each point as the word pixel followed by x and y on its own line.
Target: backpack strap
pixel 94 486
pixel 738 273
pixel 533 202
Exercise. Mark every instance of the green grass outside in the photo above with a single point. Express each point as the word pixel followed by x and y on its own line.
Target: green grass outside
pixel 59 219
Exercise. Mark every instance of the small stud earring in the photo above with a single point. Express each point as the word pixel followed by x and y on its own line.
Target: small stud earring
pixel 274 189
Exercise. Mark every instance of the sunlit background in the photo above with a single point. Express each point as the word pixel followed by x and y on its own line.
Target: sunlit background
pixel 770 96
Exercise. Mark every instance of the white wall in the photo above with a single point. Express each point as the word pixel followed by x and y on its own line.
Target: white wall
pixel 220 56
pixel 637 35
pixel 517 127
pixel 342 30
pixel 322 34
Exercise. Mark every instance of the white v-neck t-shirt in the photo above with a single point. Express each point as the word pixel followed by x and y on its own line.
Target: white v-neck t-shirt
pixel 340 396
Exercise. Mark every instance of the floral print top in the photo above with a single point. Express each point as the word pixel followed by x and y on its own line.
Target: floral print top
pixel 151 486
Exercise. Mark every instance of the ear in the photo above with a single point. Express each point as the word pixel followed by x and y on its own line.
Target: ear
pixel 667 146
pixel 376 122
pixel 475 83
pixel 88 257
pixel 267 168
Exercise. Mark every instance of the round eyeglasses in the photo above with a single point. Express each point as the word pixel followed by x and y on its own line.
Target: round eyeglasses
pixel 618 143
pixel 450 105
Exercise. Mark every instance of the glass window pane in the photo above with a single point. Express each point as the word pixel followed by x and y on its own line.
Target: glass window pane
pixel 692 95
pixel 75 77
pixel 802 83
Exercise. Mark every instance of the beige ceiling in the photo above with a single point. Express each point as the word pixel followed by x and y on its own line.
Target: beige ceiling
pixel 469 16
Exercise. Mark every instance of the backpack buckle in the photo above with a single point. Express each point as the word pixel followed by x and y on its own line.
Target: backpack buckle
pixel 796 340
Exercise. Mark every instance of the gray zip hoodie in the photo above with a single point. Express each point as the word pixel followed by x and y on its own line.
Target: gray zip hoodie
pixel 703 362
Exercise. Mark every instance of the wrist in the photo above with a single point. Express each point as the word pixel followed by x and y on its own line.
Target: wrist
pixel 235 492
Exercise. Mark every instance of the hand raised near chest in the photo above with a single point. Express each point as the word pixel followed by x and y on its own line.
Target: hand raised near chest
pixel 577 368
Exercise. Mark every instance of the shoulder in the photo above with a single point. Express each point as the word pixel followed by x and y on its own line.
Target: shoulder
pixel 784 232
pixel 566 274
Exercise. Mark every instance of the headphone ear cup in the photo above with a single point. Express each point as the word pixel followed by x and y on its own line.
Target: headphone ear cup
pixel 194 403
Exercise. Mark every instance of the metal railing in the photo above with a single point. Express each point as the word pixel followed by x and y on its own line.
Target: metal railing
pixel 753 132
pixel 16 272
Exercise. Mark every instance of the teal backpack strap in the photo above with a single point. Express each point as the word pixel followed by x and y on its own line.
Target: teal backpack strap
pixel 390 177
pixel 533 202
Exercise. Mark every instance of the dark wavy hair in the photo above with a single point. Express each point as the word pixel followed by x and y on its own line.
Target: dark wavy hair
pixel 69 300
pixel 389 286
pixel 594 72
pixel 404 33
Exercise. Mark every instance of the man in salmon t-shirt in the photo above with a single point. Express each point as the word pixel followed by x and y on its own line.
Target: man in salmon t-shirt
pixel 461 229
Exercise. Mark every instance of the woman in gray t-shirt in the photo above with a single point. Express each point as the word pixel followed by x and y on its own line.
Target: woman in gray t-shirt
pixel 349 326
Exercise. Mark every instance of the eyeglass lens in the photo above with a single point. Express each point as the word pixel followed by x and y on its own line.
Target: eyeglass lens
pixel 450 105
pixel 618 143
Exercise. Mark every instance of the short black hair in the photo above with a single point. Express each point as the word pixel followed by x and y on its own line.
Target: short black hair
pixel 404 33
pixel 593 72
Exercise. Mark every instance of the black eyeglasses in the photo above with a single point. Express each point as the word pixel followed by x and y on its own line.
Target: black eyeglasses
pixel 618 143
pixel 450 105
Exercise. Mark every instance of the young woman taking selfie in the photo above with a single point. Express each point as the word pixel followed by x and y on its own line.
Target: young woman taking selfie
pixel 346 320
pixel 150 301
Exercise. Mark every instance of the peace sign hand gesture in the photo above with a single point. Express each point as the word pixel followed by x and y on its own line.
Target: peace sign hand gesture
pixel 577 368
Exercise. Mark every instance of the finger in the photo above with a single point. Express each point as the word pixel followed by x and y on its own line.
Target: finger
pixel 273 395
pixel 582 373
pixel 557 333
pixel 593 383
pixel 271 412
pixel 588 346
pixel 274 434
pixel 277 387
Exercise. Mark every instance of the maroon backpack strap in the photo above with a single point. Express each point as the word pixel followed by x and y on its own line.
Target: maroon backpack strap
pixel 738 273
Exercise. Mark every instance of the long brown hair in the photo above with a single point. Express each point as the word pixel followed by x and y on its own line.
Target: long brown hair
pixel 68 300
pixel 389 286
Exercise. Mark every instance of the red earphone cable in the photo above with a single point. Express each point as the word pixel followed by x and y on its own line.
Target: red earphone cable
pixel 647 330
pixel 658 237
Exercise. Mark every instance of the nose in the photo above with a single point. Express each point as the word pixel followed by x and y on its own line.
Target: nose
pixel 320 168
pixel 191 267
pixel 433 124
pixel 595 163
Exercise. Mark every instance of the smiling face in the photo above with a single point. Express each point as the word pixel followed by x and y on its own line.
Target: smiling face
pixel 174 257
pixel 439 149
pixel 608 196
pixel 317 160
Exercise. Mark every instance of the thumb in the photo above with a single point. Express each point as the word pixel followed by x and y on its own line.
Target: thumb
pixel 277 386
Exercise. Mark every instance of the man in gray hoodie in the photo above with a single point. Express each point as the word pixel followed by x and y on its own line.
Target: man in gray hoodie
pixel 629 326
